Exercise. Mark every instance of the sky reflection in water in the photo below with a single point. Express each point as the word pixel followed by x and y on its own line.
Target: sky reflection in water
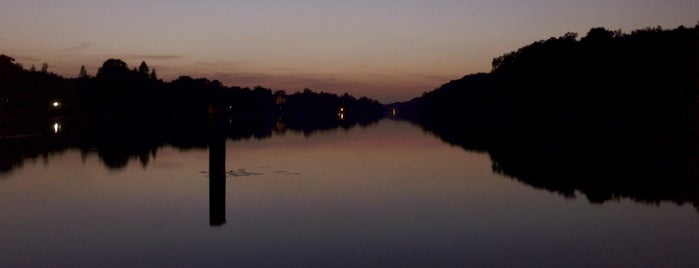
pixel 383 195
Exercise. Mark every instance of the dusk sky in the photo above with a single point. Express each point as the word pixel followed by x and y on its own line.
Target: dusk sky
pixel 387 50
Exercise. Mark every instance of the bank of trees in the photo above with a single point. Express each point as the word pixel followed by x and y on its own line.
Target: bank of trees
pixel 117 90
pixel 609 114
pixel 602 85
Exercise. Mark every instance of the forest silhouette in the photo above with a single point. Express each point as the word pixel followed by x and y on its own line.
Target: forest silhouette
pixel 609 115
pixel 117 90
pixel 129 113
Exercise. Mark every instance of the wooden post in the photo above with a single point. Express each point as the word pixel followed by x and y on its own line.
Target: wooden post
pixel 217 167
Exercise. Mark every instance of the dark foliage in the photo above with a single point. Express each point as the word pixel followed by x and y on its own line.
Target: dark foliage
pixel 611 115
pixel 117 90
pixel 124 113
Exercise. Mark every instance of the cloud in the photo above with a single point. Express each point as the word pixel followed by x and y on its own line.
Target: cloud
pixel 25 58
pixel 82 46
pixel 213 64
pixel 427 76
pixel 359 68
pixel 153 56
pixel 224 63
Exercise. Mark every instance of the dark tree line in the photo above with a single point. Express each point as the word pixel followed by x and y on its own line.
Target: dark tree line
pixel 640 79
pixel 609 114
pixel 28 91
pixel 117 90
pixel 130 113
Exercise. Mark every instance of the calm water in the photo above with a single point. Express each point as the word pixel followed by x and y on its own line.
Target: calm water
pixel 384 195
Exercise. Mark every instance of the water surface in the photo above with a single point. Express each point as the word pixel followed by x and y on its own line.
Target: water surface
pixel 382 195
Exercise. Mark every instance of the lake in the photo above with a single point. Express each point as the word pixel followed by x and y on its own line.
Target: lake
pixel 378 195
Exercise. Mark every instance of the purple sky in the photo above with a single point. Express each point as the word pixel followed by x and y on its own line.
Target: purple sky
pixel 388 50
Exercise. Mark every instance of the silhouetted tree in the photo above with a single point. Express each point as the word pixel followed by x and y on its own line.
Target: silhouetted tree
pixel 6 60
pixel 113 69
pixel 83 72
pixel 598 34
pixel 143 69
pixel 44 67
pixel 153 75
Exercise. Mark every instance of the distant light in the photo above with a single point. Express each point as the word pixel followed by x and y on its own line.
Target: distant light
pixel 394 111
pixel 341 114
pixel 55 104
pixel 56 128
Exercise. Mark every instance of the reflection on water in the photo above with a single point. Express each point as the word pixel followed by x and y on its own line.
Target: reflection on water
pixel 599 165
pixel 118 140
pixel 217 170
pixel 56 128
pixel 340 195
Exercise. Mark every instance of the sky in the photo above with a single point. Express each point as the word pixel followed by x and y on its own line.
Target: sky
pixel 386 50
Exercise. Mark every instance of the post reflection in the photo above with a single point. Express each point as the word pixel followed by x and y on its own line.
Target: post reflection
pixel 217 170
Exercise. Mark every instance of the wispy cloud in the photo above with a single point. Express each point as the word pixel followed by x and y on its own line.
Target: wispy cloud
pixel 359 68
pixel 427 76
pixel 153 56
pixel 82 46
pixel 226 63
pixel 21 58
pixel 212 64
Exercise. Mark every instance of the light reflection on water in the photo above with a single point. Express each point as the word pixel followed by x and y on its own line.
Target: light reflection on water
pixel 379 196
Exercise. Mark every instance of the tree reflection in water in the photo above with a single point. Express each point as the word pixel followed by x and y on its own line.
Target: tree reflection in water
pixel 603 168
pixel 118 140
